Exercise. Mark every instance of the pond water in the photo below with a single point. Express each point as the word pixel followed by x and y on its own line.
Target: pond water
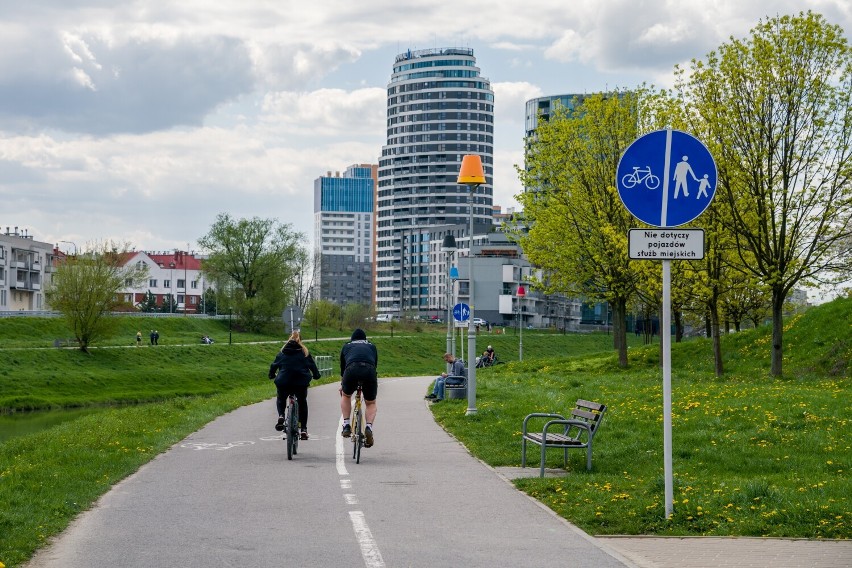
pixel 23 423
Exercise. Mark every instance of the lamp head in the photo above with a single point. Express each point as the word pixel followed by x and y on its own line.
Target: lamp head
pixel 471 172
pixel 449 244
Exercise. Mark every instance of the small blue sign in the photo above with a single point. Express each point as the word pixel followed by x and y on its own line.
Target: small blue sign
pixel 666 178
pixel 461 312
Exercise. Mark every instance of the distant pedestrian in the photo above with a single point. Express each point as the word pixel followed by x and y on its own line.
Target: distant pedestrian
pixel 138 338
pixel 152 338
pixel 156 337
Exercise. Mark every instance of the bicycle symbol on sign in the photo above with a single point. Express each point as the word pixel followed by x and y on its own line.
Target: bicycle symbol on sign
pixel 640 175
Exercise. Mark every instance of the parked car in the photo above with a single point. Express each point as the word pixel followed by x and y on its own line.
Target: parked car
pixel 385 318
pixel 480 322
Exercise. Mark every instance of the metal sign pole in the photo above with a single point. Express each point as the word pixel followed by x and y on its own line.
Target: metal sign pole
pixel 666 337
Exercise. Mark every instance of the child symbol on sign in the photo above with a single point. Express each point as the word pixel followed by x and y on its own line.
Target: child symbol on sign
pixel 703 184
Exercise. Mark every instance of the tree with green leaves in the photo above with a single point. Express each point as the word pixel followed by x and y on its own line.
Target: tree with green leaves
pixel 777 107
pixel 258 260
pixel 149 303
pixel 85 288
pixel 577 224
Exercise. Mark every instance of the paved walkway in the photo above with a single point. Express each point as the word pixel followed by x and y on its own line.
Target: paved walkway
pixel 714 552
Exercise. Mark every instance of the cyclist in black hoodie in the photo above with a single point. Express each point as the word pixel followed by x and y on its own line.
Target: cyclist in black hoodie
pixel 358 361
pixel 292 370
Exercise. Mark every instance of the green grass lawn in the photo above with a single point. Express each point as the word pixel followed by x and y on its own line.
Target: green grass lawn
pixel 752 455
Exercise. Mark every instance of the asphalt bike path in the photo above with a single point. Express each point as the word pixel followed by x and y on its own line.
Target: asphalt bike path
pixel 228 496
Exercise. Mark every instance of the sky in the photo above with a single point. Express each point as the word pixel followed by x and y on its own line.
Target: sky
pixel 140 121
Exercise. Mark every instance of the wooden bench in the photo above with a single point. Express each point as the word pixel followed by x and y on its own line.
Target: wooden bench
pixel 578 431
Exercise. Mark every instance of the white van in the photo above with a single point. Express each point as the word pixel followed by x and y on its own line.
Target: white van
pixel 385 318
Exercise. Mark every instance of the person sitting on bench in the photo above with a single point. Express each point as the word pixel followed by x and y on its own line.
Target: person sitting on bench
pixel 456 377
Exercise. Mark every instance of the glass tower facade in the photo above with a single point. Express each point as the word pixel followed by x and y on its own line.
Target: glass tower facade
pixel 343 222
pixel 439 109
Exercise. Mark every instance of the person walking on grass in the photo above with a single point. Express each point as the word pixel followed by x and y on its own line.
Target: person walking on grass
pixel 358 361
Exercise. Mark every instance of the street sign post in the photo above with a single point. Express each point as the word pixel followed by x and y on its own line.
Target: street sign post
pixel 666 178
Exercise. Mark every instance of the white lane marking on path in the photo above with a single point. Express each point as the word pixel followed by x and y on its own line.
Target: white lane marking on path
pixel 346 484
pixel 341 457
pixel 351 498
pixel 369 550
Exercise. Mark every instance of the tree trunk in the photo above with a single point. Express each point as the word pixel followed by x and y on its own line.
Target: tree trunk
pixel 777 331
pixel 717 340
pixel 708 326
pixel 678 321
pixel 619 329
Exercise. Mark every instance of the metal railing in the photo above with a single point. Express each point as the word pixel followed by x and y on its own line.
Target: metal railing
pixel 324 365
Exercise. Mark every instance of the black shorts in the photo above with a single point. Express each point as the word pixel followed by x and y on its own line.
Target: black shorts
pixel 363 373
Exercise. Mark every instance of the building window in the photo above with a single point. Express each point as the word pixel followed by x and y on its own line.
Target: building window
pixel 2 297
pixel 181 283
pixel 128 282
pixel 167 283
pixel 152 283
pixel 193 300
pixel 194 284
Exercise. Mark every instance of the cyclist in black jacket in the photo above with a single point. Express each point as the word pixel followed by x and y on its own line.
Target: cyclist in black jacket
pixel 358 361
pixel 293 369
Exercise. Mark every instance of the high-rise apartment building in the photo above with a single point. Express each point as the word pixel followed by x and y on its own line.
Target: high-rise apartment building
pixel 439 109
pixel 343 227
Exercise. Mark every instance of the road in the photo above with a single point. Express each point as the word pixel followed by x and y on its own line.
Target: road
pixel 228 496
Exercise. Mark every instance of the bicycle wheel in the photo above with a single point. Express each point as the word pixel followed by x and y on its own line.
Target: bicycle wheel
pixel 629 181
pixel 294 426
pixel 290 439
pixel 652 181
pixel 357 437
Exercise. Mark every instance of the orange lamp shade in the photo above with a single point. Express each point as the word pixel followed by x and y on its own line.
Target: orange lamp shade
pixel 471 170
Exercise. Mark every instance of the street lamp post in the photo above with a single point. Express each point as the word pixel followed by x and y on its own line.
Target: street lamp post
pixel 449 247
pixel 521 294
pixel 71 243
pixel 454 275
pixel 472 175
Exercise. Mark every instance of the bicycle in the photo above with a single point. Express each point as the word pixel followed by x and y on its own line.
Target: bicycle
pixel 358 436
pixel 631 179
pixel 291 426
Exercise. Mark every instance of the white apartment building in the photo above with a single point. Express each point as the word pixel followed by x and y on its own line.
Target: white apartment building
pixel 25 268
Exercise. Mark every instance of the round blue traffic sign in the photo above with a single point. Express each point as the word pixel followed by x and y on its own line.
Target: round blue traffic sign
pixel 461 312
pixel 666 178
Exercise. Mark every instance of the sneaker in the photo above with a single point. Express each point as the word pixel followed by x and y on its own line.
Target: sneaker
pixel 434 400
pixel 280 424
pixel 303 435
pixel 347 431
pixel 430 395
pixel 368 437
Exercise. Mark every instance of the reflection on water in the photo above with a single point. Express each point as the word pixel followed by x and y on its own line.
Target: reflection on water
pixel 23 423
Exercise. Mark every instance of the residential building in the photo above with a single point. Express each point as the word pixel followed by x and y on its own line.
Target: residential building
pixel 344 228
pixel 174 278
pixel 25 268
pixel 542 108
pixel 439 108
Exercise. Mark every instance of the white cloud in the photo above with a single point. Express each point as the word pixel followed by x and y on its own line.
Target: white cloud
pixel 143 120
